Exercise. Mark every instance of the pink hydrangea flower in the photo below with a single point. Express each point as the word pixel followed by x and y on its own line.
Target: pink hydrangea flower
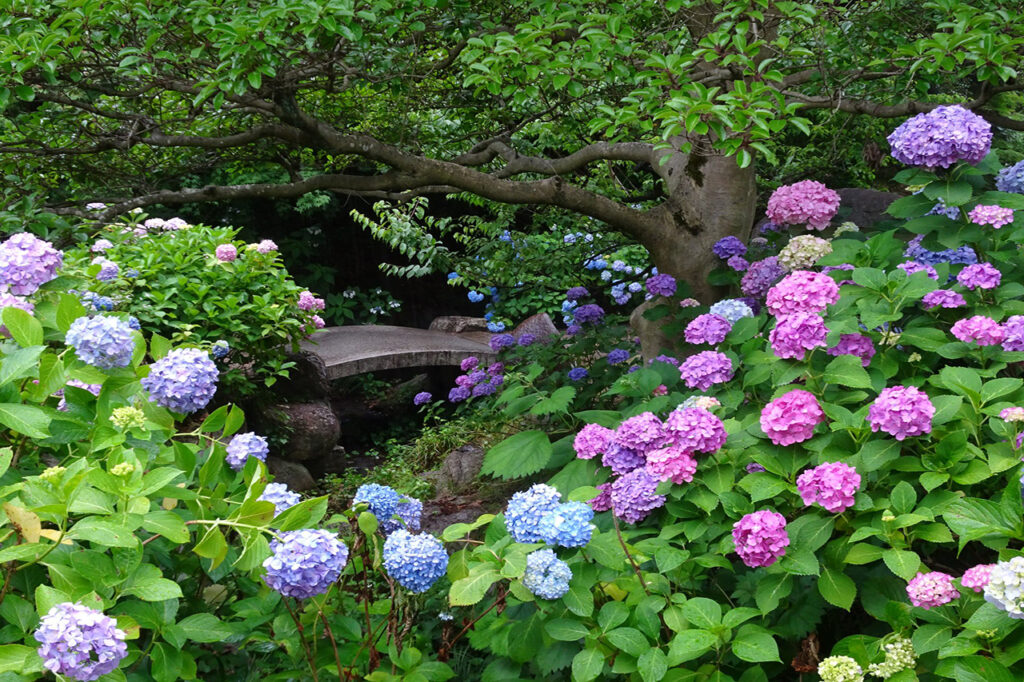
pixel 931 589
pixel 796 334
pixel 307 301
pixel 979 329
pixel 760 538
pixel 641 433
pixel 226 253
pixel 857 345
pixel 318 322
pixel 672 463
pixel 1012 414
pixel 791 418
pixel 592 440
pixel 695 430
pixel 689 303
pixel 1013 333
pixel 660 389
pixel 803 203
pixel 993 215
pixel 802 291
pixel 943 298
pixel 707 328
pixel 266 246
pixel 979 276
pixel 901 411
pixel 832 485
pixel 705 369
pixel 976 577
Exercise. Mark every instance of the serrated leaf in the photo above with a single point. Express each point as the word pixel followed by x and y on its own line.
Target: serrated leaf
pixel 518 456
pixel 837 588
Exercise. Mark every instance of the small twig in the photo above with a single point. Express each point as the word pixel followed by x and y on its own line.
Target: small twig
pixel 636 569
pixel 302 638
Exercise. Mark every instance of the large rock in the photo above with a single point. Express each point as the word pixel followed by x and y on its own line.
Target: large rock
pixel 456 324
pixel 307 380
pixel 653 340
pixel 540 325
pixel 867 206
pixel 292 474
pixel 459 471
pixel 313 429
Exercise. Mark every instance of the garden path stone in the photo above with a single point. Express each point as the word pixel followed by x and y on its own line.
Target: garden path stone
pixel 292 474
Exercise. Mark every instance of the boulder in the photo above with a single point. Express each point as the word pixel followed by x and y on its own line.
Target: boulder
pixel 292 474
pixel 459 470
pixel 653 340
pixel 867 206
pixel 307 380
pixel 313 429
pixel 335 463
pixel 540 325
pixel 456 324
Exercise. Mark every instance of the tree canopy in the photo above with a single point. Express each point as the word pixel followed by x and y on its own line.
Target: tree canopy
pixel 642 115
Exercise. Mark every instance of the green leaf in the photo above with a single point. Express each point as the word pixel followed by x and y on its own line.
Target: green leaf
pixel 155 589
pixel 305 514
pixel 837 588
pixel 875 454
pixel 212 547
pixel 973 519
pixel 24 328
pixel 28 420
pixel 103 532
pixel 846 370
pixel 903 498
pixel 702 612
pixel 204 628
pixel 930 637
pixel 981 669
pixel 587 665
pixel 19 364
pixel 167 524
pixel 652 665
pixel 771 590
pixel 754 644
pixel 471 589
pixel 902 562
pixel 800 562
pixel 566 629
pixel 518 456
pixel 68 310
pixel 630 640
pixel 689 644
pixel 16 658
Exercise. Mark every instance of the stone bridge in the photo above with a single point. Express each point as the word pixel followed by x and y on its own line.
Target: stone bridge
pixel 358 349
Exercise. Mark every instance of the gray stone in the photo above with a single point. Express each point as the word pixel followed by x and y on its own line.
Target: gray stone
pixel 307 380
pixel 540 325
pixel 313 429
pixel 867 206
pixel 292 474
pixel 459 470
pixel 456 324
pixel 653 340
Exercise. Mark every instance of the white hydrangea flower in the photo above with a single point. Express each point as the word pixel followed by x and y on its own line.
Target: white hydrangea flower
pixel 899 655
pixel 1005 589
pixel 840 669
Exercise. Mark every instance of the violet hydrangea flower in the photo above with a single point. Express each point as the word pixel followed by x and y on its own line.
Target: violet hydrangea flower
pixel 304 563
pixel 941 137
pixel 831 485
pixel 901 411
pixel 591 313
pixel 761 275
pixel 27 262
pixel 622 460
pixel 662 285
pixel 79 642
pixel 184 380
pixel 578 374
pixel 576 293
pixel 633 495
pixel 796 334
pixel 102 341
pixel 857 345
pixel 979 275
pixel 727 247
pixel 993 215
pixel 807 202
pixel 641 433
pixel 280 496
pixel 1011 179
pixel 791 417
pixel 738 263
pixel 11 301
pixel 694 429
pixel 226 253
pixel 499 341
pixel 705 369
pixel 243 446
pixel 308 302
pixel 592 440
pixel 1013 333
pixel 526 509
pixel 943 298
pixel 617 356
pixel 910 267
pixel 414 561
pixel 931 589
pixel 981 330
pixel 760 538
pixel 801 292
pixel 707 328
pixel 422 398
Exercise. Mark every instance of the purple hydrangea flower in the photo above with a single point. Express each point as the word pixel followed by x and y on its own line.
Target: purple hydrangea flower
pixel 305 563
pixel 760 538
pixel 27 262
pixel 707 328
pixel 617 356
pixel 705 369
pixel 981 330
pixel 573 329
pixel 266 246
pixel 546 575
pixel 422 398
pixel 108 269
pixel 380 500
pixel 633 495
pixel 802 292
pixel 694 429
pixel 931 589
pixel 591 313
pixel 791 417
pixel 727 247
pixel 901 411
pixel 483 389
pixel 943 298
pixel 996 216
pixel 576 293
pixel 667 359
pixel 796 334
pixel 755 468
pixel 280 496
pixel 979 275
pixel 672 463
pixel 910 267
pixel 102 341
pixel 761 275
pixel 1013 333
pixel 226 253
pixel 527 339
pixel 592 440
pixel 308 302
pixel 243 446
pixel 567 525
pixel 941 137
pixel 409 512
pixel 526 509
pixel 184 380
pixel 858 345
pixel 414 561
pixel 101 245
pixel 499 341
pixel 807 202
pixel 832 485
pixel 458 394
pixel 738 263
pixel 603 501
pixel 1011 179
pixel 91 388
pixel 661 285
pixel 578 374
pixel 641 433
pixel 622 460
pixel 79 642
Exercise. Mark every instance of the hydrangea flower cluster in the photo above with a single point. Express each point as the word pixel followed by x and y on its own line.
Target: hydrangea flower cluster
pixel 993 215
pixel 760 276
pixel 590 313
pixel 546 575
pixel 707 328
pixel 622 460
pixel 661 285
pixel 977 577
pixel 931 589
pixel 901 411
pixel 695 430
pixel 499 341
pixel 727 247
pixel 705 369
pixel 804 251
pixel 738 263
pixel 899 655
pixel 832 485
pixel 840 669
pixel 102 341
pixel 526 509
pixel 422 398
pixel 672 463
pixel 910 267
pixel 266 246
pixel 943 298
pixel 226 253
pixel 807 202
pixel 802 292
pixel 633 495
pixel 1012 414
pixel 617 356
pixel 796 334
pixel 27 262
pixel 1013 333
pixel 592 440
pixel 981 330
pixel 979 275
pixel 732 309
pixel 962 255
pixel 307 301
pixel 184 380
pixel 942 137
pixel 304 563
pixel 578 374
pixel 1005 588
pixel 280 496
pixel 108 269
pixel 243 446
pixel 220 349
pixel 576 293
pixel 410 514
pixel 791 417
pixel 641 433
pixel 760 538
pixel 1011 179
pixel 414 561
pixel 79 642
pixel 858 345
pixel 567 525
pixel 380 500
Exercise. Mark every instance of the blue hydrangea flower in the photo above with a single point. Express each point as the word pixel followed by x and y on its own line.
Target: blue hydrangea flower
pixel 381 500
pixel 414 561
pixel 131 273
pixel 526 509
pixel 410 511
pixel 482 389
pixel 102 341
pixel 606 275
pixel 305 563
pixel 108 269
pixel 617 356
pixel 1011 179
pixel 106 304
pixel 453 275
pixel 79 642
pixel 184 380
pixel 243 446
pixel 578 374
pixel 220 349
pixel 280 496
pixel 546 575
pixel 495 327
pixel 596 264
pixel 568 305
pixel 133 322
pixel 475 296
pixel 567 525
pixel 731 309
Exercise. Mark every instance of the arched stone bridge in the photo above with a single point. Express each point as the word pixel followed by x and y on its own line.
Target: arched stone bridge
pixel 358 349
